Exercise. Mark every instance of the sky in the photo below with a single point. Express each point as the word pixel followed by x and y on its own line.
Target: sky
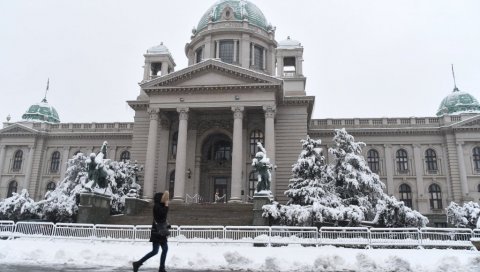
pixel 366 58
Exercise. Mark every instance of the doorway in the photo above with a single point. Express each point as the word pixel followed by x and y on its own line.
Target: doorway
pixel 220 189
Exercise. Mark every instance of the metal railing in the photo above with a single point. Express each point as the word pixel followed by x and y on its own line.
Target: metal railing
pixel 275 235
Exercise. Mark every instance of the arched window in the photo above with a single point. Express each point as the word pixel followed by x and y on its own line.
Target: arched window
pixel 171 184
pixel 255 137
pixel 435 196
pixel 12 188
pixel 431 160
pixel 173 148
pixel 17 161
pixel 478 188
pixel 222 151
pixel 402 161
pixel 51 186
pixel 125 156
pixel 476 158
pixel 373 160
pixel 406 195
pixel 55 162
pixel 252 181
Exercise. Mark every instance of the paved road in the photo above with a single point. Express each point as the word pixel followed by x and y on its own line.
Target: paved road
pixel 27 268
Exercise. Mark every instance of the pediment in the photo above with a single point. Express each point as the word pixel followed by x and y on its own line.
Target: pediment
pixel 473 122
pixel 18 129
pixel 211 73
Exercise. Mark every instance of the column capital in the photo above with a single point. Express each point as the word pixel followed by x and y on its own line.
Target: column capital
pixel 270 111
pixel 417 146
pixel 153 112
pixel 183 113
pixel 460 143
pixel 238 112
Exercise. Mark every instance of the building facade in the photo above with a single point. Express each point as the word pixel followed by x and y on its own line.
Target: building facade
pixel 195 130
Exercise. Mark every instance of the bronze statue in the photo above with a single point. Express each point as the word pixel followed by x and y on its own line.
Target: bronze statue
pixel 97 172
pixel 261 164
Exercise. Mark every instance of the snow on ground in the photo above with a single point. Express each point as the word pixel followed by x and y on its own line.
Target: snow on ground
pixel 237 257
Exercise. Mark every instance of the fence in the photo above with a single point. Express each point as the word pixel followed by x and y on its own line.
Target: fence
pixel 256 235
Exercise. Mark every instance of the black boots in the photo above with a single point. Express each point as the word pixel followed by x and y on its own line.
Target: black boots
pixel 136 265
pixel 161 269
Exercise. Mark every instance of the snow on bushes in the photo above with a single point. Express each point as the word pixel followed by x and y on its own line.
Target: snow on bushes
pixel 466 216
pixel 61 204
pixel 344 191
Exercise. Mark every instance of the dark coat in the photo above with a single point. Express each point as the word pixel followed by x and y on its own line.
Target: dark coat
pixel 160 212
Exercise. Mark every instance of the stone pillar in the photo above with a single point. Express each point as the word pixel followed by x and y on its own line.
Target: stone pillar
pixel 63 166
pixel 164 135
pixel 417 155
pixel 164 68
pixel 264 65
pixel 235 51
pixel 270 111
pixel 390 169
pixel 462 170
pixel 2 158
pixel 147 70
pixel 28 170
pixel 196 185
pixel 207 54
pixel 217 49
pixel 237 157
pixel 245 51
pixel 150 160
pixel 299 64
pixel 181 160
pixel 279 66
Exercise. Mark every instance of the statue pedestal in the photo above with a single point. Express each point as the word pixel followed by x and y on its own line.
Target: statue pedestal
pixel 476 243
pixel 94 208
pixel 260 199
pixel 134 205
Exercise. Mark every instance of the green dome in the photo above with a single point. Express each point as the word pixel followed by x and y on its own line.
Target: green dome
pixel 242 9
pixel 41 112
pixel 458 102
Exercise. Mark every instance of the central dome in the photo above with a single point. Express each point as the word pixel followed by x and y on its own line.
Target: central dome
pixel 458 102
pixel 41 112
pixel 242 10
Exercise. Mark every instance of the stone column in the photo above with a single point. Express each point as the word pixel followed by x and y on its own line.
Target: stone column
pixel 462 170
pixel 28 170
pixel 164 68
pixel 2 158
pixel 417 154
pixel 217 49
pixel 181 160
pixel 237 154
pixel 235 51
pixel 390 169
pixel 279 66
pixel 147 70
pixel 245 51
pixel 270 111
pixel 164 135
pixel 150 160
pixel 63 166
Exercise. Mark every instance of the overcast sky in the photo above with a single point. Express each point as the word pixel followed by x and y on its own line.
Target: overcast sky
pixel 361 58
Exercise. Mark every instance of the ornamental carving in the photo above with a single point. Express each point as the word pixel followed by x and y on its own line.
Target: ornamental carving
pixel 182 113
pixel 270 111
pixel 153 113
pixel 237 112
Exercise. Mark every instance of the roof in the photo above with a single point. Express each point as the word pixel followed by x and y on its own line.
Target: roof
pixel 41 112
pixel 458 102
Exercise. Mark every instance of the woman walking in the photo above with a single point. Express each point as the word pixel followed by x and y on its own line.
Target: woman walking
pixel 160 211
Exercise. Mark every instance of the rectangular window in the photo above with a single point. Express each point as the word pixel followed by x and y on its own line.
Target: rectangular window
pixel 225 51
pixel 257 57
pixel 199 55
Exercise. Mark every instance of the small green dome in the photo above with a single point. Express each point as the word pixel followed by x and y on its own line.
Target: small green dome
pixel 242 10
pixel 41 112
pixel 458 102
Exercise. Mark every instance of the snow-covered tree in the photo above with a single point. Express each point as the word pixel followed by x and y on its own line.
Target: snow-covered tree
pixel 466 216
pixel 346 190
pixel 18 207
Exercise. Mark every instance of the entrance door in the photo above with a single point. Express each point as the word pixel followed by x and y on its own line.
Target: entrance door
pixel 220 189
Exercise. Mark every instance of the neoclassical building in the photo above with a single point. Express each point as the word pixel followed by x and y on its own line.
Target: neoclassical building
pixel 195 129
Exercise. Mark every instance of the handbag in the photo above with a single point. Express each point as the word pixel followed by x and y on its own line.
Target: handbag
pixel 162 229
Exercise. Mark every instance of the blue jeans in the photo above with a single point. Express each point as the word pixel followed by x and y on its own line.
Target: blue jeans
pixel 155 247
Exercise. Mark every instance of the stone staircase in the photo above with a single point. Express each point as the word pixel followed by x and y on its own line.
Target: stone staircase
pixel 228 214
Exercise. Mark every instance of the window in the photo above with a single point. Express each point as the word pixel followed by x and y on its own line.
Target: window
pixel 435 196
pixel 125 156
pixel 222 151
pixel 12 188
pixel 17 161
pixel 406 195
pixel 252 180
pixel 402 160
pixel 373 160
pixel 173 149
pixel 255 137
pixel 171 184
pixel 225 51
pixel 478 188
pixel 476 158
pixel 258 57
pixel 51 186
pixel 431 160
pixel 199 55
pixel 55 162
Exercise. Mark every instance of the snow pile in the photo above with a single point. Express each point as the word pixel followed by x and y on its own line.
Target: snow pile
pixel 346 191
pixel 467 215
pixel 119 256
